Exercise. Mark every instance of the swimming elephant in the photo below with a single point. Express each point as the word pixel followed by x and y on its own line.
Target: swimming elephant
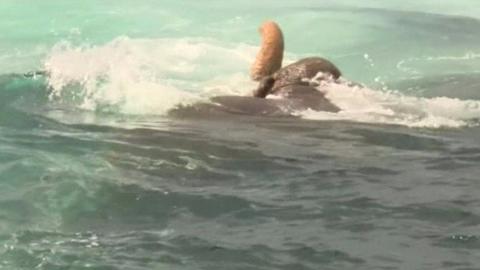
pixel 292 79
pixel 292 83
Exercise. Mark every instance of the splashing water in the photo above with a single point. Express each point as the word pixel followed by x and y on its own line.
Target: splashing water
pixel 152 76
pixel 147 76
pixel 362 104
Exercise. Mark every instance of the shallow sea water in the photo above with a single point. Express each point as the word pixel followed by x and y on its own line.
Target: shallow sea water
pixel 95 174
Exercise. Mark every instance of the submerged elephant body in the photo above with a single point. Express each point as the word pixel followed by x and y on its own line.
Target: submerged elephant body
pixel 294 98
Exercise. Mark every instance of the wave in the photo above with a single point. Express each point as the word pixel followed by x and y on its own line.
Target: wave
pixel 147 76
pixel 362 104
pixel 154 76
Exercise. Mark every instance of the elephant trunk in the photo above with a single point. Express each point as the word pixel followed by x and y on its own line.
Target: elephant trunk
pixel 269 58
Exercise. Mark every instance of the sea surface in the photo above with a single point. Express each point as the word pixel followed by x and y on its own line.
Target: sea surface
pixel 95 173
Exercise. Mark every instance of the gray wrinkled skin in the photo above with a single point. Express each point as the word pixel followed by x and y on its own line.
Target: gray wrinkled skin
pixel 307 97
pixel 295 98
pixel 306 68
pixel 297 73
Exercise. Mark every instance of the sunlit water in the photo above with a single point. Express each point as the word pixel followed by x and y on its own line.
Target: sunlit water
pixel 95 173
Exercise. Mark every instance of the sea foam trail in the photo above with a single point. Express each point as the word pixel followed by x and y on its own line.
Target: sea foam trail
pixel 147 76
pixel 152 76
pixel 362 104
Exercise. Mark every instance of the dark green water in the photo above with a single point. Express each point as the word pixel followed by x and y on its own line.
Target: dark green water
pixel 87 191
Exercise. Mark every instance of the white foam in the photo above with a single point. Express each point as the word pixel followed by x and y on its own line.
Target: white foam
pixel 362 104
pixel 147 76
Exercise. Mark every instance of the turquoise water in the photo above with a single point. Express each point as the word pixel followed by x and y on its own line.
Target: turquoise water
pixel 96 174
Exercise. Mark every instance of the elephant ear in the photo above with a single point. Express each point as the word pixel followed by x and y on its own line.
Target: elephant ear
pixel 264 87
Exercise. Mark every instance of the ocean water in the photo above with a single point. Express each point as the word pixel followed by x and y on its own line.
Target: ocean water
pixel 95 173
